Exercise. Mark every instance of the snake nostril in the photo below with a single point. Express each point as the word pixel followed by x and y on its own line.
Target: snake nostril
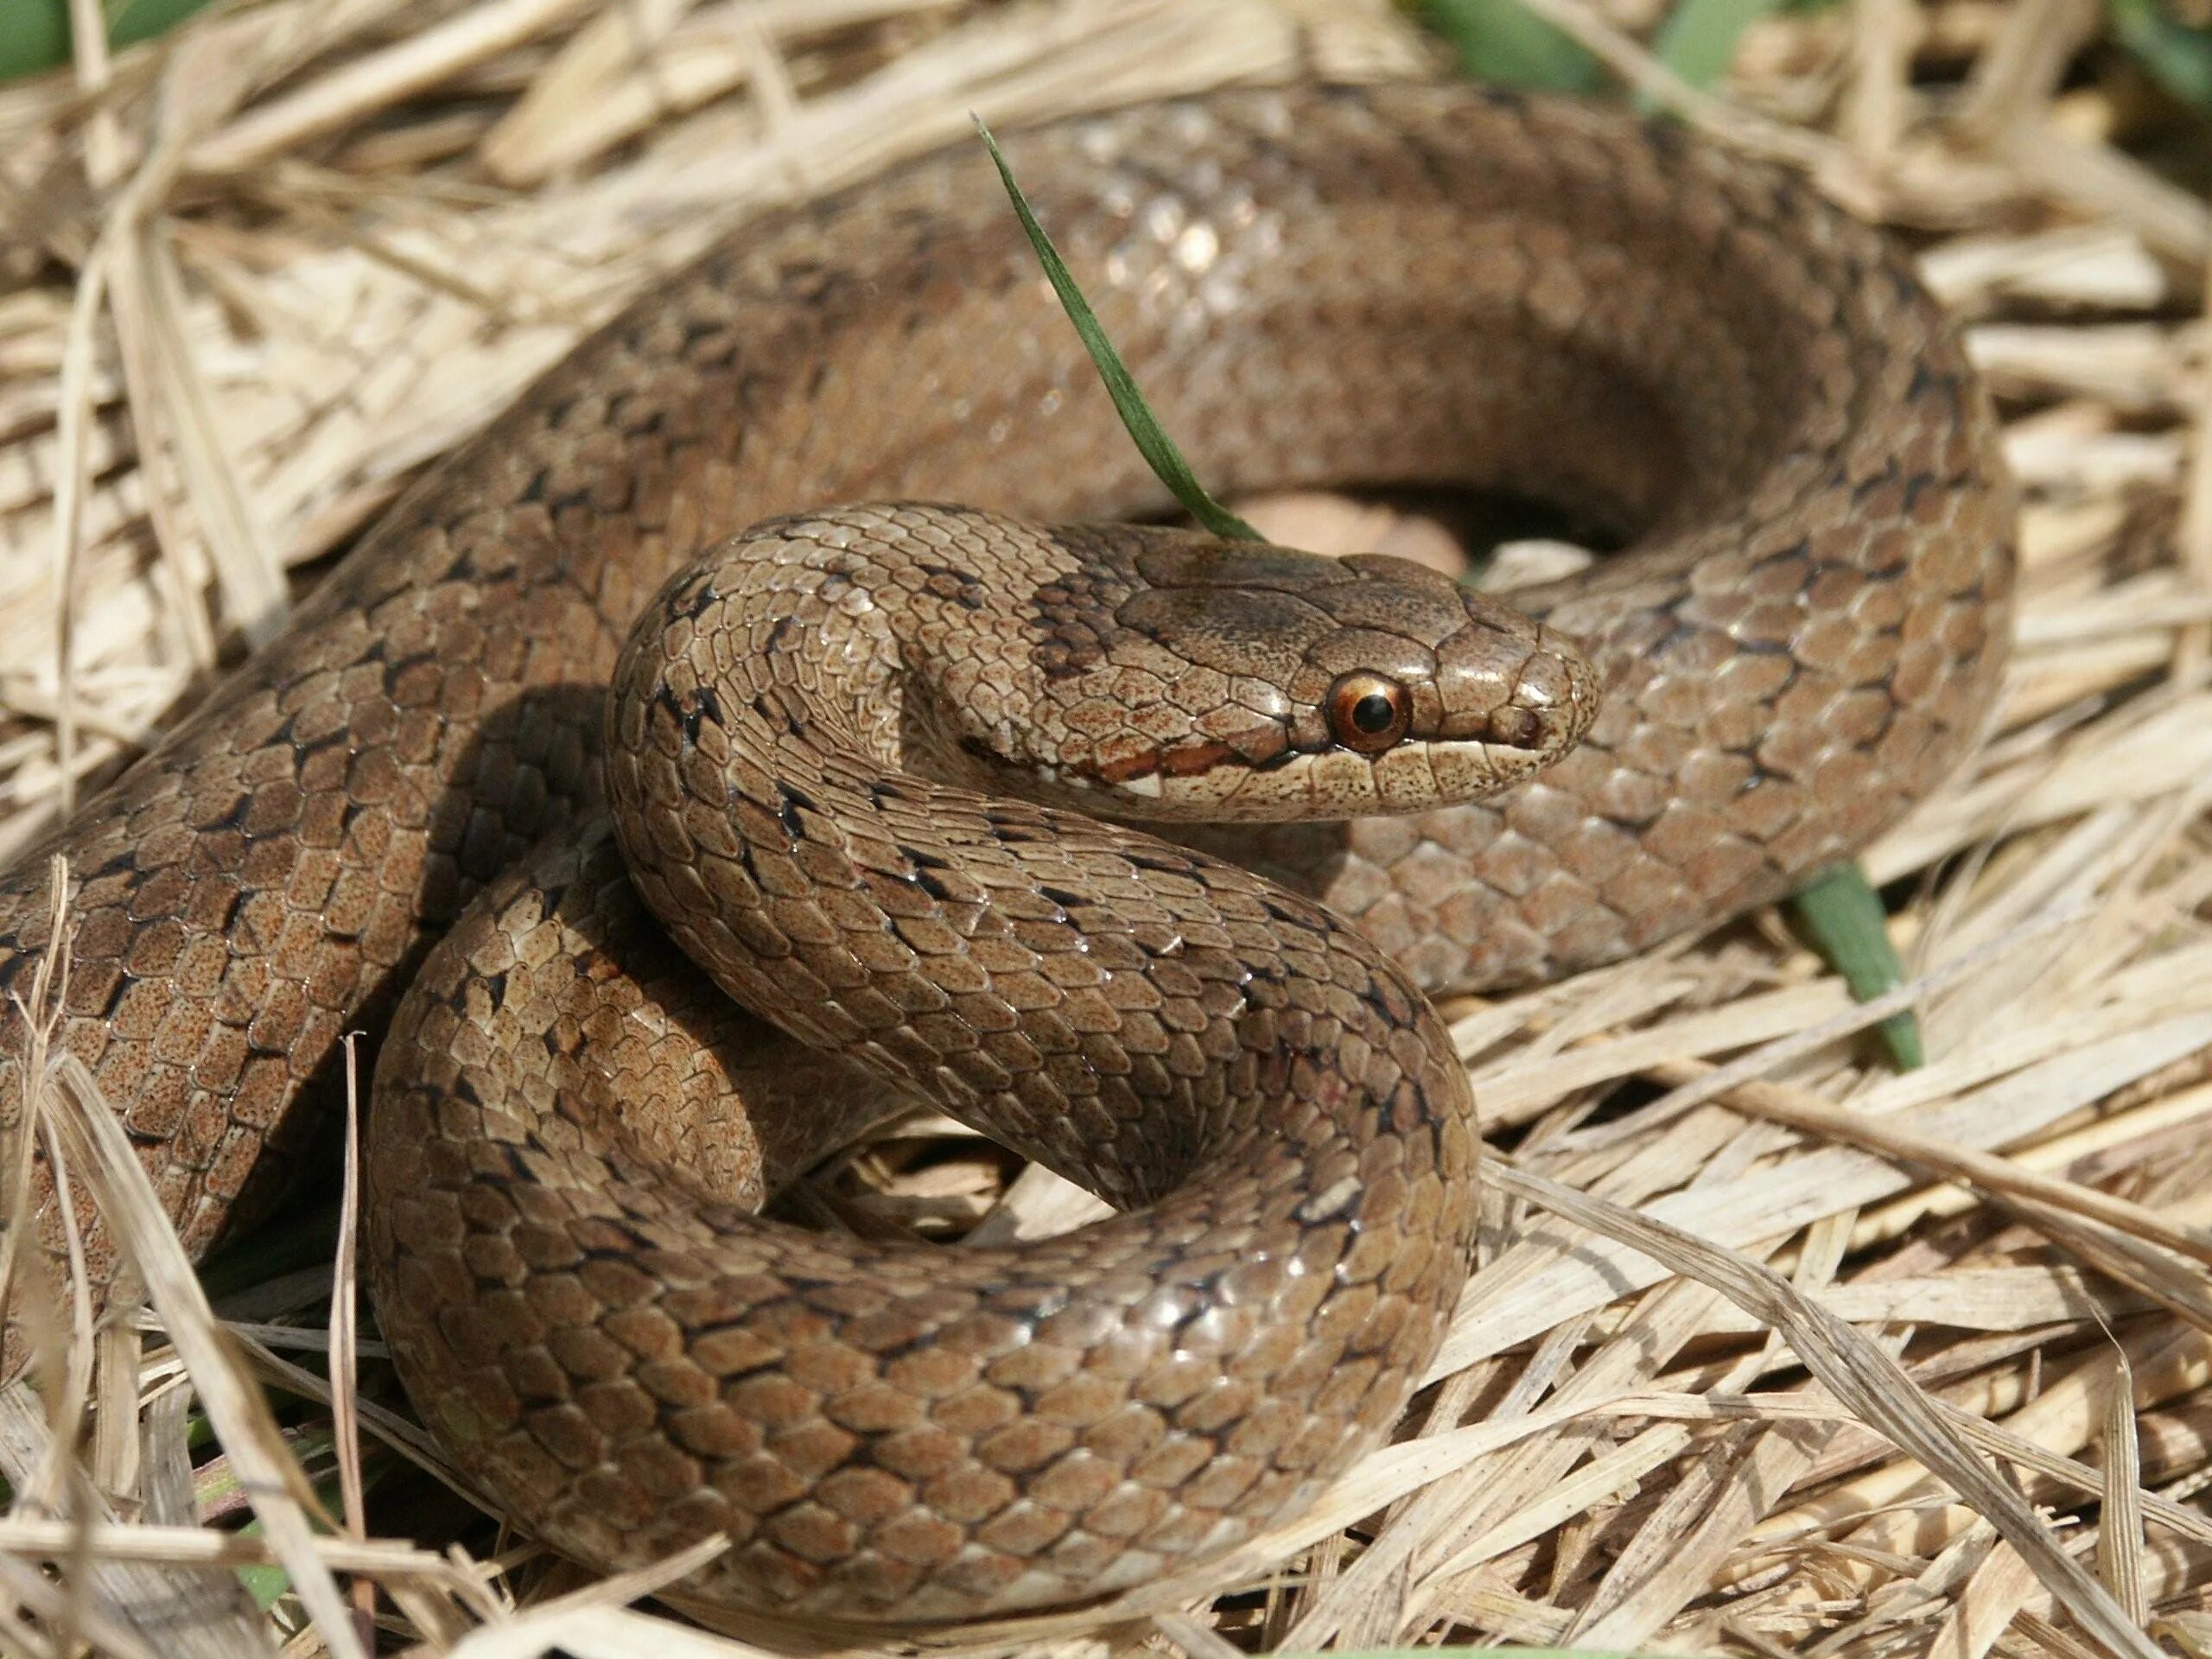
pixel 1520 729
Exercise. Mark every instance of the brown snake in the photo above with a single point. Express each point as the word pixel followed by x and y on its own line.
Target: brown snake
pixel 811 753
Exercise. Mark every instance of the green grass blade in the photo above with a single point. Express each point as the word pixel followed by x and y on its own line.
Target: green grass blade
pixel 2177 56
pixel 35 33
pixel 1501 41
pixel 267 1584
pixel 1152 443
pixel 1698 41
pixel 1842 917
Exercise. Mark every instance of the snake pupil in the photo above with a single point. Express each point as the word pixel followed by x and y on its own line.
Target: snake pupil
pixel 1373 713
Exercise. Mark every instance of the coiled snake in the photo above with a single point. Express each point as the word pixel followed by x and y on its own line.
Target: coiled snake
pixel 813 755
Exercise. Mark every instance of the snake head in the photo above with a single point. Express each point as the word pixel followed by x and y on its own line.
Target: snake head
pixel 1189 678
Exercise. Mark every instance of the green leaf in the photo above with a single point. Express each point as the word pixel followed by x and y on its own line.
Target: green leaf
pixel 1842 917
pixel 1154 444
pixel 2177 56
pixel 35 33
pixel 1502 41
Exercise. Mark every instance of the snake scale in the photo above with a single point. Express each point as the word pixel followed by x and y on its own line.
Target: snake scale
pixel 813 752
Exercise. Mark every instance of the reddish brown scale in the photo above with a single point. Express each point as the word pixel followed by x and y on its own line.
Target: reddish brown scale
pixel 1401 284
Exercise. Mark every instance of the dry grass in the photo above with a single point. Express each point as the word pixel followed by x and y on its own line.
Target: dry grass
pixel 1771 1348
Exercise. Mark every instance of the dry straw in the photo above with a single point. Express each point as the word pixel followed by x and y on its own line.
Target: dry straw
pixel 1771 1349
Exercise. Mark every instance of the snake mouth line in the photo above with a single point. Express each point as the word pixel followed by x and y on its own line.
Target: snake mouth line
pixel 1220 780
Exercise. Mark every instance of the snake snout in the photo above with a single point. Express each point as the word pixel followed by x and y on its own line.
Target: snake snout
pixel 1511 683
pixel 1552 699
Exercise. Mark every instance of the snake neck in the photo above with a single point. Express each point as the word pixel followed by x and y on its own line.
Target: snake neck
pixel 1115 1007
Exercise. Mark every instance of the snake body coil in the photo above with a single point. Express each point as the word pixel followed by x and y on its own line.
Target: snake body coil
pixel 809 757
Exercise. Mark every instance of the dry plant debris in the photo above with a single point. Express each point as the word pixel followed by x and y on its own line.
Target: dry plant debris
pixel 256 276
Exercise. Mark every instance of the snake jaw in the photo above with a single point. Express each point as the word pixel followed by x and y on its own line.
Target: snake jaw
pixel 1320 784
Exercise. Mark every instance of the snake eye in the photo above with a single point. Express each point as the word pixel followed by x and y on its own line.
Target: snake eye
pixel 1367 713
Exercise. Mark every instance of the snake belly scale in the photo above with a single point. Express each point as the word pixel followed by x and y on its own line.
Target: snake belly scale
pixel 812 757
